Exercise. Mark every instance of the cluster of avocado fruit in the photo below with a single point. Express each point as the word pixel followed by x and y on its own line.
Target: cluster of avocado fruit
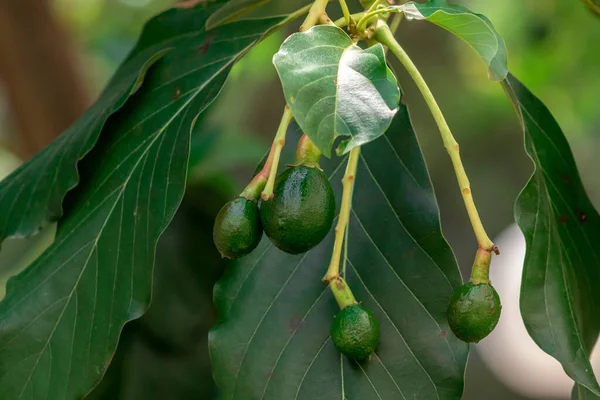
pixel 297 218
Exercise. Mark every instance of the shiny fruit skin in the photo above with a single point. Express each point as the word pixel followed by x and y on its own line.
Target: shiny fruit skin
pixel 237 230
pixel 355 332
pixel 474 311
pixel 301 213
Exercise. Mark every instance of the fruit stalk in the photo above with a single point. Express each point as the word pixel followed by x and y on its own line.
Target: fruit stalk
pixel 386 37
pixel 276 148
pixel 345 12
pixel 342 293
pixel 307 153
pixel 481 267
pixel 333 272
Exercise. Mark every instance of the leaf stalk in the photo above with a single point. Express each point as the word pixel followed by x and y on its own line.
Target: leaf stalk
pixel 333 272
pixel 314 14
pixel 386 37
pixel 276 148
pixel 346 12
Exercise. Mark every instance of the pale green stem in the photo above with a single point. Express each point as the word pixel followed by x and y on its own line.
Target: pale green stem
pixel 342 23
pixel 297 14
pixel 333 272
pixel 278 144
pixel 342 293
pixel 396 20
pixel 346 247
pixel 362 24
pixel 345 11
pixel 307 153
pixel 374 6
pixel 317 9
pixel 385 37
pixel 480 274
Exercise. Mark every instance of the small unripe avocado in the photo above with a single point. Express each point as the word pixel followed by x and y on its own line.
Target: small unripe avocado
pixel 237 229
pixel 474 311
pixel 301 213
pixel 355 332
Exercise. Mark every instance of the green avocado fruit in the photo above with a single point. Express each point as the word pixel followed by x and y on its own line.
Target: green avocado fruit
pixel 237 229
pixel 474 311
pixel 355 332
pixel 301 213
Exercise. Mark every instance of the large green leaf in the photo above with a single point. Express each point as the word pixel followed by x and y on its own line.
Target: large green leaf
pixel 32 195
pixel 475 29
pixel 61 318
pixel 335 88
pixel 164 354
pixel 272 340
pixel 560 302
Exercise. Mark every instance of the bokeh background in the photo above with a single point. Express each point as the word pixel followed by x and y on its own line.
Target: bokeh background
pixel 57 55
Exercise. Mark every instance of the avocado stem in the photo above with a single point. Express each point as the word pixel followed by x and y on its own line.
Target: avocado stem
pixel 307 153
pixel 260 180
pixel 257 184
pixel 333 272
pixel 276 148
pixel 480 274
pixel 384 36
pixel 314 14
pixel 342 293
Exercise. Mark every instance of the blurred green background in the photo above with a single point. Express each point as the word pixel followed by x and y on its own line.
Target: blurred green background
pixel 50 74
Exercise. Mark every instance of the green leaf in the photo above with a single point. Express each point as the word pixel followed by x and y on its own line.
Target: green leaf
pixel 272 341
pixel 581 393
pixel 61 318
pixel 560 303
pixel 18 254
pixel 32 195
pixel 231 11
pixel 475 29
pixel 335 88
pixel 164 354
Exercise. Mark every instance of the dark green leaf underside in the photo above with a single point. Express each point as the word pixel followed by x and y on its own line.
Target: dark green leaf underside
pixel 560 302
pixel 272 341
pixel 61 318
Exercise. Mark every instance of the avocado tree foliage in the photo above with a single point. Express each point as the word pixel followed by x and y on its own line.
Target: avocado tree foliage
pixel 392 289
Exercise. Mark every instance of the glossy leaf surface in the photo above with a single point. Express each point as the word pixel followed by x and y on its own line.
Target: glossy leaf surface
pixel 475 29
pixel 272 341
pixel 560 303
pixel 335 88
pixel 61 318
